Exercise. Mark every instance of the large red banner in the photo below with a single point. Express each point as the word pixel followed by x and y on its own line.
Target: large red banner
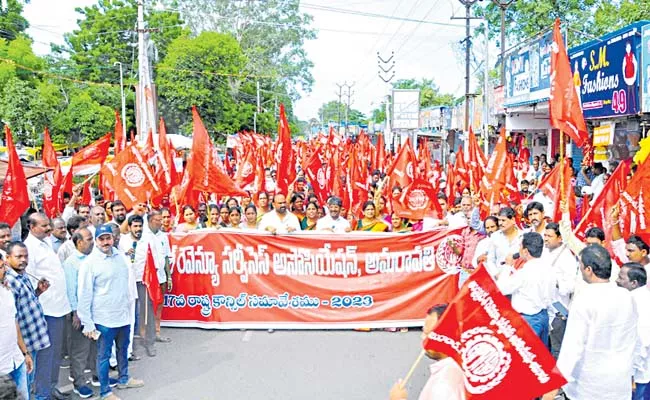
pixel 235 279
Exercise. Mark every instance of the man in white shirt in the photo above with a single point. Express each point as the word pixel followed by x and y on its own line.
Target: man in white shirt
pixel 452 221
pixel 535 212
pixel 505 242
pixel 59 234
pixel 279 220
pixel 153 236
pixel 103 309
pixel 634 277
pixel 598 182
pixel 15 360
pixel 68 248
pixel 532 286
pixel 565 269
pixel 44 263
pixel 333 222
pixel 601 335
pixel 97 218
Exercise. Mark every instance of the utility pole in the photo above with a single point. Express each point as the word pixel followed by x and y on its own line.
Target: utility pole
pixel 145 108
pixel 468 43
pixel 123 98
pixel 347 109
pixel 503 6
pixel 340 94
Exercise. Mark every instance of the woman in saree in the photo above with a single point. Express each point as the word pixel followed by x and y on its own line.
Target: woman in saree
pixel 370 222
pixel 399 225
pixel 311 217
pixel 191 222
pixel 250 221
pixel 234 217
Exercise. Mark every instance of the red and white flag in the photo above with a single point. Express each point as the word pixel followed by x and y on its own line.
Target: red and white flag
pixel 635 204
pixel 498 352
pixel 52 180
pixel 15 195
pixel 90 158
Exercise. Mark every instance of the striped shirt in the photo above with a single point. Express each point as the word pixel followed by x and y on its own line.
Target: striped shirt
pixel 30 312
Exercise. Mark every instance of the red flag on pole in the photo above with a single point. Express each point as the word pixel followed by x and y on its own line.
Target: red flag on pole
pixel 418 200
pixel 402 171
pixel 15 195
pixel 92 155
pixel 120 135
pixel 166 174
pixel 283 155
pixel 52 179
pixel 635 204
pixel 565 110
pixel 477 163
pixel 150 280
pixel 498 352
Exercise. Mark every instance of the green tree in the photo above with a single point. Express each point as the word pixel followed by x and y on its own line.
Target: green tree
pixel 12 23
pixel 330 112
pixel 206 71
pixel 271 34
pixel 83 119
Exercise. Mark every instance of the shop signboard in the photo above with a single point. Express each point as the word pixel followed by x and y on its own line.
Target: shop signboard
pixel 604 135
pixel 645 68
pixel 606 74
pixel 528 71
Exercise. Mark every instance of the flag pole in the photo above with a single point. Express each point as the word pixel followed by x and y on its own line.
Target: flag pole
pixel 412 370
pixel 562 190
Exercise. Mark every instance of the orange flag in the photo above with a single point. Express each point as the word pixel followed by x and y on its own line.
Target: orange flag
pixel 15 195
pixel 130 177
pixel 477 163
pixel 246 169
pixel 120 136
pixel 150 280
pixel 418 200
pixel 166 174
pixel 283 159
pixel 635 204
pixel 92 155
pixel 402 171
pixel 564 106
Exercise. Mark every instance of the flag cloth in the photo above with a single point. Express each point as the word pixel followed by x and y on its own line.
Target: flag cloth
pixel 52 180
pixel 564 108
pixel 166 174
pixel 283 159
pixel 15 195
pixel 402 173
pixel 150 280
pixel 206 172
pixel 130 177
pixel 120 135
pixel 91 156
pixel 476 161
pixel 499 353
pixel 635 204
pixel 418 200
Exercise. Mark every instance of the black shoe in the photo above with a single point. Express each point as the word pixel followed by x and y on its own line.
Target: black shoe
pixel 134 357
pixel 59 395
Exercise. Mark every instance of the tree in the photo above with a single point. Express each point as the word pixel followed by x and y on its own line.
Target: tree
pixel 206 71
pixel 429 92
pixel 330 112
pixel 83 120
pixel 271 34
pixel 12 23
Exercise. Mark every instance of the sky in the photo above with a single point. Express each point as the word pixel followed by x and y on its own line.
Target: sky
pixel 345 50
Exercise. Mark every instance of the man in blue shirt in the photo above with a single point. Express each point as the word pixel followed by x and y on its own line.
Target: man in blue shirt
pixel 82 350
pixel 103 308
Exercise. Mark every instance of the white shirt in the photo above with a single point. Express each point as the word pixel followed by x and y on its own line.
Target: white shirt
pixel 10 355
pixel 565 268
pixel 447 381
pixel 273 219
pixel 454 221
pixel 532 286
pixel 66 250
pixel 641 297
pixel 597 185
pixel 339 225
pixel 599 344
pixel 159 248
pixel 44 263
pixel 500 249
pixel 482 248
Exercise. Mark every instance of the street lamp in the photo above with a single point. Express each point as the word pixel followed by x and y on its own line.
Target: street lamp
pixel 123 98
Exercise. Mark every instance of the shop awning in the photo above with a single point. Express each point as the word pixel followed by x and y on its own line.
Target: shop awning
pixel 525 103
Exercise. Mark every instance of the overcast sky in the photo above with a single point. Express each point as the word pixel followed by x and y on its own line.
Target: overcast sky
pixel 346 47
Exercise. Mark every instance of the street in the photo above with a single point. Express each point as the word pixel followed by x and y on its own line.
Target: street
pixel 284 365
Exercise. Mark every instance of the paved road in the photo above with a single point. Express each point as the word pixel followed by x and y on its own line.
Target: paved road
pixel 284 365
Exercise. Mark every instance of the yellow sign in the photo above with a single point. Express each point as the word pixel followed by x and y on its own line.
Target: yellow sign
pixel 600 153
pixel 603 135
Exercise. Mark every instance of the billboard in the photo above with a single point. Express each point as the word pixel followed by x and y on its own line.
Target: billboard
pixel 406 108
pixel 606 74
pixel 528 71
pixel 645 68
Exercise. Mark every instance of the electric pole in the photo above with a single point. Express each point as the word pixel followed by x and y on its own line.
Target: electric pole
pixel 503 6
pixel 146 117
pixel 339 104
pixel 347 109
pixel 468 43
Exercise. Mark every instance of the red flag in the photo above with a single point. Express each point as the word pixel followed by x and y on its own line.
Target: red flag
pixel 598 214
pixel 477 163
pixel 206 172
pixel 86 196
pixel 380 154
pixel 260 177
pixel 66 187
pixel 564 105
pixel 418 200
pixel 150 280
pixel 15 195
pixel 550 186
pixel 246 169
pixel 283 154
pixel 635 204
pixel 317 175
pixel 52 179
pixel 120 136
pixel 130 177
pixel 461 171
pixel 402 171
pixel 166 175
pixel 92 155
pixel 498 352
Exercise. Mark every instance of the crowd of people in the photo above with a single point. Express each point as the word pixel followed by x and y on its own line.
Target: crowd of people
pixel 75 292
